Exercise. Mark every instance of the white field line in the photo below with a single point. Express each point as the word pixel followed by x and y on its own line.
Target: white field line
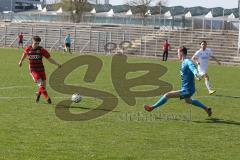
pixel 211 97
pixel 31 97
pixel 13 87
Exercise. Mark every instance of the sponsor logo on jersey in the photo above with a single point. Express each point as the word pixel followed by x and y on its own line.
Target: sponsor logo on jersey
pixel 34 56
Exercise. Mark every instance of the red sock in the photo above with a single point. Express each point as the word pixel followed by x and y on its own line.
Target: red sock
pixel 44 92
pixel 39 92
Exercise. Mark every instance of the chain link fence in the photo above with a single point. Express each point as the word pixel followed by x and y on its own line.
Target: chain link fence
pixel 179 21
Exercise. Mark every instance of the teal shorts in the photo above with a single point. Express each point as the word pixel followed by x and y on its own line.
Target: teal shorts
pixel 186 94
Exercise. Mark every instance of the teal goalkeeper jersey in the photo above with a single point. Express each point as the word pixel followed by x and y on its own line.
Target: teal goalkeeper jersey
pixel 188 70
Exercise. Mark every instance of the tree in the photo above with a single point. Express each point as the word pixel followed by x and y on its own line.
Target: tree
pixel 76 8
pixel 140 6
pixel 160 4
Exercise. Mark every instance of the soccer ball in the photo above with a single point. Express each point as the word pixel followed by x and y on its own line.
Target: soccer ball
pixel 76 97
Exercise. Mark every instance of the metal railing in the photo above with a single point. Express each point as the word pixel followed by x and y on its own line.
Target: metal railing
pixel 145 41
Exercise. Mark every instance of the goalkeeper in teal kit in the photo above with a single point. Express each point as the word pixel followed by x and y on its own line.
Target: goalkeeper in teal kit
pixel 188 73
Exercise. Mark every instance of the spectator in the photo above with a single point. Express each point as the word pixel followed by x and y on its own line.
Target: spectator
pixel 166 47
pixel 20 39
pixel 67 43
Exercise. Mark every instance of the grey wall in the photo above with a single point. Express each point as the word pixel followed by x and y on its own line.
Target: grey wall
pixel 5 5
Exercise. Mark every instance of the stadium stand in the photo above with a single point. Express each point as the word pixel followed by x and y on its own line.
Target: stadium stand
pixel 146 41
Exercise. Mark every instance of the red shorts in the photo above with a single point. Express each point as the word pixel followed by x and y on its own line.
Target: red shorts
pixel 38 75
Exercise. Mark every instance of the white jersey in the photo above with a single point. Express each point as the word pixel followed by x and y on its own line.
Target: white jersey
pixel 203 57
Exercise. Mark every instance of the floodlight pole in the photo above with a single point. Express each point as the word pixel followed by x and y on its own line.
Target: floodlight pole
pixel 11 6
pixel 223 19
pixel 159 15
pixel 238 27
pixel 11 13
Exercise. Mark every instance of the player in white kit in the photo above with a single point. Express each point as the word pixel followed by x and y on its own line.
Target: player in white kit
pixel 201 57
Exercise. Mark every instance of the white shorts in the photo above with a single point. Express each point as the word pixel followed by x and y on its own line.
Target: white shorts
pixel 202 71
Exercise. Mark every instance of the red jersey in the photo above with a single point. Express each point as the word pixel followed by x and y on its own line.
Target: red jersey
pixel 35 58
pixel 20 37
pixel 166 46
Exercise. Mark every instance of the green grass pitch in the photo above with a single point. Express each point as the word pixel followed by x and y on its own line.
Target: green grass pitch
pixel 31 131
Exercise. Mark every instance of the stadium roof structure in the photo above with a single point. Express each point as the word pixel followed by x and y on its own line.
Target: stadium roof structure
pixel 231 16
pixel 168 15
pixel 148 13
pixel 110 13
pixel 44 9
pixel 209 15
pixel 129 13
pixel 59 11
pixel 188 15
pixel 39 6
pixel 93 11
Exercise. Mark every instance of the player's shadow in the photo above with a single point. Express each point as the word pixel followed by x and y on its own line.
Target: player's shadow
pixel 79 107
pixel 226 96
pixel 86 108
pixel 218 121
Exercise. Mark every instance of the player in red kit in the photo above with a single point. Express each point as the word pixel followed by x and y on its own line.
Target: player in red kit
pixel 20 39
pixel 166 47
pixel 35 53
